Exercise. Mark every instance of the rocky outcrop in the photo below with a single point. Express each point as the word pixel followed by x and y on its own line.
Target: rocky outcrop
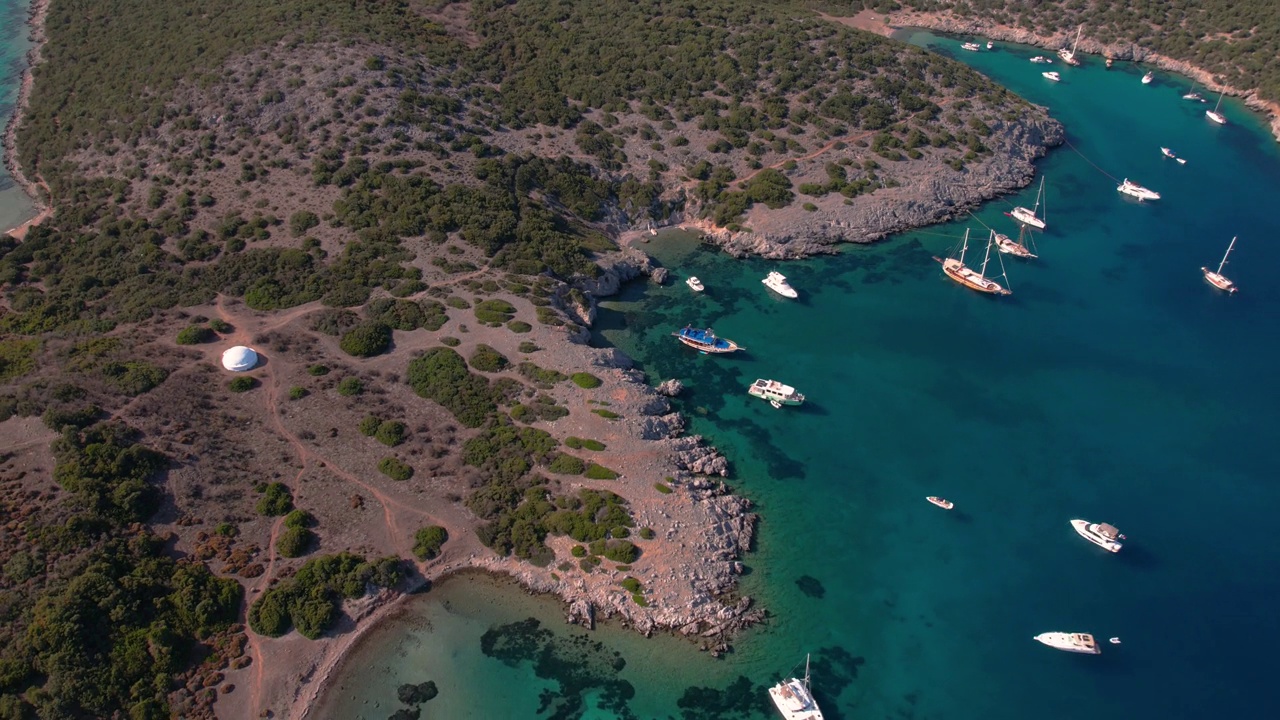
pixel 691 454
pixel 670 388
pixel 659 276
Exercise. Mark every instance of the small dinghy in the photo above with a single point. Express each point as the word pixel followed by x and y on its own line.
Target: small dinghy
pixel 941 502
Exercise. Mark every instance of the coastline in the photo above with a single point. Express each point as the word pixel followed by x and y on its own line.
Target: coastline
pixel 1128 52
pixel 36 17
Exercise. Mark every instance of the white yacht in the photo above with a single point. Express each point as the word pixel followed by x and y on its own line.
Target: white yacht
pixel 1070 642
pixel 971 46
pixel 1041 59
pixel 775 392
pixel 794 699
pixel 1135 190
pixel 777 282
pixel 990 45
pixel 1029 216
pixel 695 284
pixel 1052 75
pixel 1103 535
pixel 1146 79
pixel 1216 278
pixel 1214 114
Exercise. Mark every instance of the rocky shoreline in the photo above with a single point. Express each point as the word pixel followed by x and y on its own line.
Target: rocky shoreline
pixel 1125 51
pixel 35 20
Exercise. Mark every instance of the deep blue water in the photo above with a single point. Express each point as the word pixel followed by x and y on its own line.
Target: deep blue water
pixel 15 207
pixel 1113 385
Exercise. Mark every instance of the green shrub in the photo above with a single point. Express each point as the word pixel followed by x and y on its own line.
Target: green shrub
pixel 350 386
pixel 333 322
pixel 220 326
pixel 519 326
pixel 528 347
pixel 195 335
pixel 226 529
pixel 369 425
pixel 664 489
pixel 243 383
pixel 606 414
pixel 366 340
pixel 449 341
pixel 295 542
pixel 600 472
pixel 302 221
pixel 631 584
pixel 487 359
pixel 578 551
pixel 540 375
pixel 300 518
pixel 454 301
pixel 317 370
pixel 646 533
pixel 428 541
pixel 390 433
pixel 622 551
pixel 276 500
pixel 494 311
pixel 310 600
pixel 578 443
pixel 567 465
pixel 395 469
pixel 620 532
pixel 297 392
pixel 639 600
pixel 586 381
pixel 441 375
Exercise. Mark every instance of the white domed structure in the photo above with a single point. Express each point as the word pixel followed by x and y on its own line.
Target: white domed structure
pixel 239 359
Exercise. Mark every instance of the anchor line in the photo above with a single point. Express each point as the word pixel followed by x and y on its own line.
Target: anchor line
pixel 1086 159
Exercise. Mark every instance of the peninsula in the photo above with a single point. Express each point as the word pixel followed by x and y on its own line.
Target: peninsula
pixel 407 210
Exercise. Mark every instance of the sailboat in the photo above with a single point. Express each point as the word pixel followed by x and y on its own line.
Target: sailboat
pixel 1214 115
pixel 1028 217
pixel 955 269
pixel 1216 278
pixel 1016 248
pixel 794 699
pixel 1069 56
pixel 1193 95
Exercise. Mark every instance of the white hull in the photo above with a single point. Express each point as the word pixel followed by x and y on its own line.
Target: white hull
pixel 1070 642
pixel 775 392
pixel 1009 246
pixel 1089 531
pixel 794 700
pixel 1137 191
pixel 695 284
pixel 1052 75
pixel 1216 117
pixel 777 282
pixel 1146 79
pixel 1218 280
pixel 1040 59
pixel 1027 217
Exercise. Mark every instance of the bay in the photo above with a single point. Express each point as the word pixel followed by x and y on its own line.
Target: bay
pixel 1113 385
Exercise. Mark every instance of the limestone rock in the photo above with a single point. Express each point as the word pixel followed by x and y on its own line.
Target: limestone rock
pixel 670 388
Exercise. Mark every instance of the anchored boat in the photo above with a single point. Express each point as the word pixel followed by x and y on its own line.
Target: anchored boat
pixel 777 282
pixel 1029 217
pixel 1052 75
pixel 695 284
pixel 1069 56
pixel 1133 189
pixel 1215 277
pixel 775 392
pixel 1070 642
pixel 955 269
pixel 1103 535
pixel 943 503
pixel 1170 154
pixel 705 341
pixel 794 699
pixel 1146 79
pixel 1016 248
pixel 1041 59
pixel 971 46
pixel 1214 115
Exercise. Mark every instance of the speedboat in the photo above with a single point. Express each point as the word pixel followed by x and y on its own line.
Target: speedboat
pixel 990 45
pixel 1103 535
pixel 971 46
pixel 1070 642
pixel 1052 75
pixel 1041 59
pixel 775 392
pixel 1009 246
pixel 794 699
pixel 695 284
pixel 1135 190
pixel 705 341
pixel 1169 154
pixel 943 503
pixel 1146 79
pixel 777 282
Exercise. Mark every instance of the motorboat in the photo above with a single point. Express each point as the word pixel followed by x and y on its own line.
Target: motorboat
pixel 1041 59
pixel 777 282
pixel 775 392
pixel 1103 535
pixel 1052 75
pixel 705 341
pixel 1216 278
pixel 990 45
pixel 695 284
pixel 971 46
pixel 1070 642
pixel 1133 189
pixel 794 699
pixel 1146 79
pixel 1171 155
pixel 955 269
pixel 943 503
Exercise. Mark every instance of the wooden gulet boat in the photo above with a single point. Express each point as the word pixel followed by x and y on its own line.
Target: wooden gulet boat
pixel 705 341
pixel 955 269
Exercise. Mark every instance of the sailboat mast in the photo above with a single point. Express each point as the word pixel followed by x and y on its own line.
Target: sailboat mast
pixel 965 247
pixel 1224 256
pixel 1077 42
pixel 806 670
pixel 987 257
pixel 1219 103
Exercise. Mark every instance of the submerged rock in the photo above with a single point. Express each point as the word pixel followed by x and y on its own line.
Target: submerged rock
pixel 670 388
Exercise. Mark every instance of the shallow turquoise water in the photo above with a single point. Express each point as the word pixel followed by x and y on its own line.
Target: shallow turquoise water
pixel 15 207
pixel 1114 384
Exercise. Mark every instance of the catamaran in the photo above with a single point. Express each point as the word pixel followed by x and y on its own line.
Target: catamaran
pixel 705 341
pixel 1146 79
pixel 1028 217
pixel 1052 75
pixel 1016 248
pixel 955 269
pixel 1069 56
pixel 695 284
pixel 1070 642
pixel 794 699
pixel 777 282
pixel 1214 115
pixel 1104 535
pixel 971 46
pixel 775 392
pixel 1135 190
pixel 1216 278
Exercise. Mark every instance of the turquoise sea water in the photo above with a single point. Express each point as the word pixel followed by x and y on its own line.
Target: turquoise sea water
pixel 1113 385
pixel 15 207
